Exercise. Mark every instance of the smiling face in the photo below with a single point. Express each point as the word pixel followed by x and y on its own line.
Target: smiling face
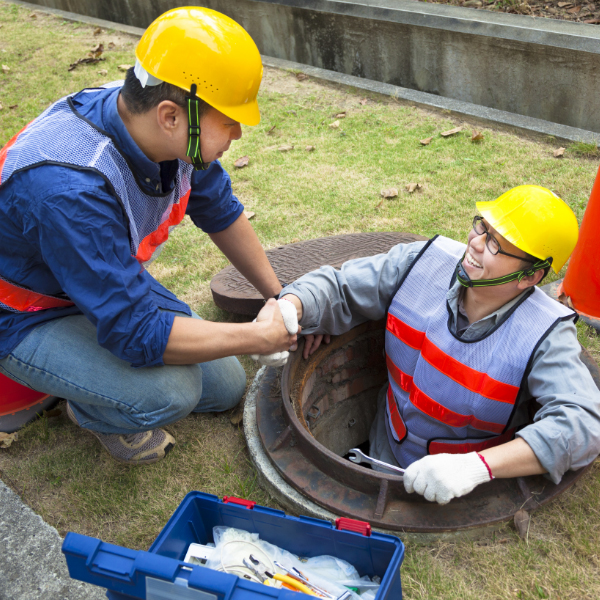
pixel 480 263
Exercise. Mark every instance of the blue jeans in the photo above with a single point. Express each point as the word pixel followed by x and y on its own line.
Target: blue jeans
pixel 63 358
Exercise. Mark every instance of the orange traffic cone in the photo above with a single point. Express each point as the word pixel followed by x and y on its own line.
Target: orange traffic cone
pixel 580 288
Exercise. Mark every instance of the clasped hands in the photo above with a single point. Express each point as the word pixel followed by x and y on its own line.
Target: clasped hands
pixel 288 317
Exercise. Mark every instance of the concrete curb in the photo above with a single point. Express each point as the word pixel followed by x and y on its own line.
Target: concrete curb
pixel 32 566
pixel 478 114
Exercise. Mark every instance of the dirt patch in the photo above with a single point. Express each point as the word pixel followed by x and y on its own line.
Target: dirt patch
pixel 580 12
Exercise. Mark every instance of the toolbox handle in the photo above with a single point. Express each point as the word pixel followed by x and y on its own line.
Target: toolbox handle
pixel 345 524
pixel 250 504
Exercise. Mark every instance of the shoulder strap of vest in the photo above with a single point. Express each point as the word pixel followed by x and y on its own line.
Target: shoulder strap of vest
pixel 408 270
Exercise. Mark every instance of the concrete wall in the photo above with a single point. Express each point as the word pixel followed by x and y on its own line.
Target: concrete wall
pixel 540 68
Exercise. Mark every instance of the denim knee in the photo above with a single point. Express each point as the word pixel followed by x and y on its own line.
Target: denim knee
pixel 223 385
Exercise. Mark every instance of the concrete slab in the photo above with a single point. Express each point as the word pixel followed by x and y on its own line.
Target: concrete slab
pixel 541 68
pixel 32 566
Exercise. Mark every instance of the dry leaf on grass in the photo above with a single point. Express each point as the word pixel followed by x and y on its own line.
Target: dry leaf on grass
pixel 309 148
pixel 124 67
pixel 451 132
pixel 413 187
pixel 563 4
pixel 33 16
pixel 592 21
pixel 341 115
pixel 241 162
pixel 84 61
pixel 363 101
pixel 98 31
pixel 271 130
pixel 380 205
pixel 13 106
pixel 111 45
pixel 334 125
pixel 6 439
pixel 477 136
pixel 249 214
pixel 559 152
pixel 522 520
pixel 391 193
pixel 301 76
pixel 97 51
pixel 574 10
pixel 103 72
pixel 5 69
pixel 426 141
pixel 285 148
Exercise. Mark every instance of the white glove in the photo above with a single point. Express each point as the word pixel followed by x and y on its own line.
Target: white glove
pixel 290 320
pixel 441 477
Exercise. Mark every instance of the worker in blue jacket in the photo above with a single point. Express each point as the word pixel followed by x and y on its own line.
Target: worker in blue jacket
pixel 88 193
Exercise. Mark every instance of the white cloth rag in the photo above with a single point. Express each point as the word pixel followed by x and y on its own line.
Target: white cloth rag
pixel 290 320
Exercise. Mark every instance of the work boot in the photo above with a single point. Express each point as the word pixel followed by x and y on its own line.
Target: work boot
pixel 142 448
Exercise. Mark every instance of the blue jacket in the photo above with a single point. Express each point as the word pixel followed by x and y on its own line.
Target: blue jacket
pixel 61 230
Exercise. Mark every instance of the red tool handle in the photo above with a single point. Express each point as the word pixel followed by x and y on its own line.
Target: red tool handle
pixel 345 524
pixel 233 500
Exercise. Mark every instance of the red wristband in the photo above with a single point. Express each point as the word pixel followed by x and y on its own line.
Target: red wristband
pixel 486 466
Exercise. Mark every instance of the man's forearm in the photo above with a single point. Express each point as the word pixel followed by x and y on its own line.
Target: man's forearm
pixel 196 341
pixel 241 246
pixel 513 459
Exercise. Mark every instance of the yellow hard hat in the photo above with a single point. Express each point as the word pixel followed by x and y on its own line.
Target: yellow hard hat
pixel 536 221
pixel 202 46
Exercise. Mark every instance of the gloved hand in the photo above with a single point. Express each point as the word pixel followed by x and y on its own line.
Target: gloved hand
pixel 441 477
pixel 290 320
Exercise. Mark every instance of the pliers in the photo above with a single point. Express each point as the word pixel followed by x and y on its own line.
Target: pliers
pixel 260 570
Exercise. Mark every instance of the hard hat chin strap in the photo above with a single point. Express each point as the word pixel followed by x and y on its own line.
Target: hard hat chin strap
pixel 193 150
pixel 466 281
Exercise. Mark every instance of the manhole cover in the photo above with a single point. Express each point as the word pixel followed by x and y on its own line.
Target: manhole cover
pixel 234 293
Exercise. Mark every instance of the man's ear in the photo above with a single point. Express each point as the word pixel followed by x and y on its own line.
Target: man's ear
pixel 170 116
pixel 531 280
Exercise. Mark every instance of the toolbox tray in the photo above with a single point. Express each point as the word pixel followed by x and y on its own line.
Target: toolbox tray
pixel 161 574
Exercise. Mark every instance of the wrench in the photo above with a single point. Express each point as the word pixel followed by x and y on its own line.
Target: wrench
pixel 357 456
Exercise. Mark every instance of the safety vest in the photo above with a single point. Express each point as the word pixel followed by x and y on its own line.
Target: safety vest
pixel 62 136
pixel 451 395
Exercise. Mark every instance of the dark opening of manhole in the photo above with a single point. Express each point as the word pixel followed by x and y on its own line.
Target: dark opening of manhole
pixel 316 410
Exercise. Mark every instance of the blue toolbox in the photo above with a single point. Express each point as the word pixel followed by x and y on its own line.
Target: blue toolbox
pixel 162 574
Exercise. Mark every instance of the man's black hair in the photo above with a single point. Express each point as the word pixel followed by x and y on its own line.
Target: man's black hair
pixel 139 100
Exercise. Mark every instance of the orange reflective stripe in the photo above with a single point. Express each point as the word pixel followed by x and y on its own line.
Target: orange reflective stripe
pixel 4 150
pixel 473 380
pixel 24 300
pixel 438 412
pixel 402 379
pixel 149 244
pixel 437 447
pixel 397 422
pixel 476 381
pixel 405 333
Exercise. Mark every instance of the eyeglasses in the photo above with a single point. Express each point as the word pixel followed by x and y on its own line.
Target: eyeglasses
pixel 491 242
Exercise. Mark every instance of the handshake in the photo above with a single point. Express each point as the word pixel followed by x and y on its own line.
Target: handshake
pixel 290 320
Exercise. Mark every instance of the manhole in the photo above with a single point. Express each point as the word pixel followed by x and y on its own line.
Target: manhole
pixel 311 414
pixel 234 293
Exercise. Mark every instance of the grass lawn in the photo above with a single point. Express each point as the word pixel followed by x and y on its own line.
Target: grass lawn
pixel 62 473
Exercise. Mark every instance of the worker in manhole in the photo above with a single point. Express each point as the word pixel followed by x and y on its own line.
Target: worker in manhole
pixel 471 342
pixel 88 193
